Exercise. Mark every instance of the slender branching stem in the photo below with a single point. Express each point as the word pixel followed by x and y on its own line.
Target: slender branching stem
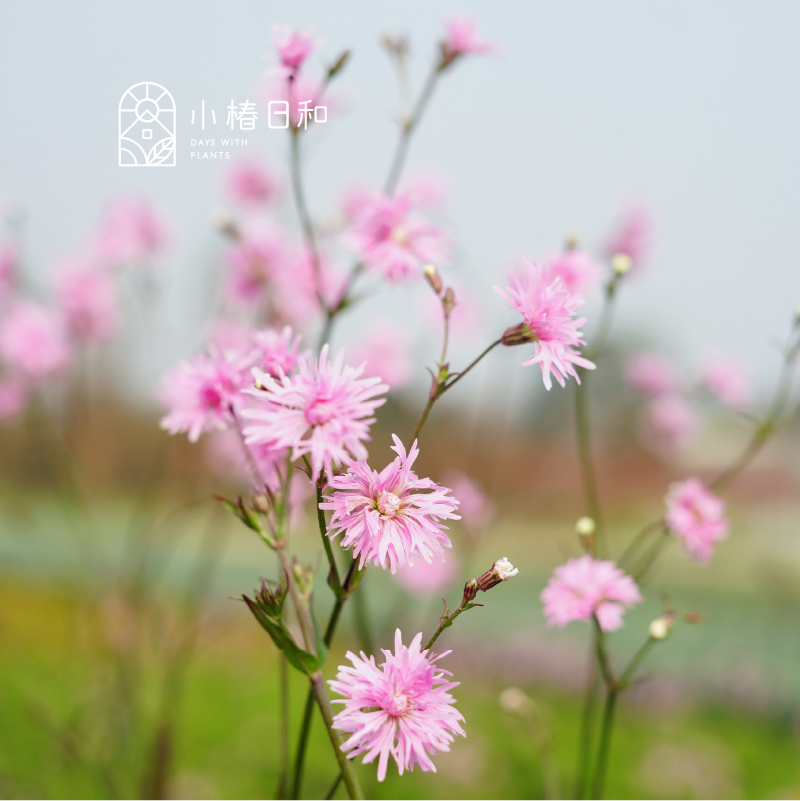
pixel 588 718
pixel 606 729
pixel 283 779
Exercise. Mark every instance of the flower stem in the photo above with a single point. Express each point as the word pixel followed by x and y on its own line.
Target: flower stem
pixel 346 765
pixel 604 748
pixel 333 576
pixel 588 724
pixel 446 620
pixel 334 787
pixel 284 742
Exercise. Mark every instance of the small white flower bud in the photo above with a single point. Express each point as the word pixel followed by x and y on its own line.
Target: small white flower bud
pixel 661 627
pixel 504 569
pixel 621 263
pixel 514 700
pixel 501 570
pixel 585 527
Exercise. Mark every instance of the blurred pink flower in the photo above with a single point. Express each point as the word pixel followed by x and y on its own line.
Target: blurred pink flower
pixel 697 516
pixel 129 232
pixel 13 397
pixel 651 374
pixel 585 587
pixel 87 299
pixel 293 47
pixel 203 395
pixel 432 577
pixel 255 262
pixel 402 709
pixel 632 236
pixel 323 411
pixel 548 310
pixel 388 238
pixel 250 183
pixel 227 334
pixel 386 351
pixel 275 351
pixel 579 271
pixel 33 341
pixel 296 286
pixel 425 189
pixel 726 379
pixel 462 39
pixel 475 508
pixel 384 517
pixel 9 261
pixel 669 423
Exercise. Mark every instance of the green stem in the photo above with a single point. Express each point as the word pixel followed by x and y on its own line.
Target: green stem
pixel 345 764
pixel 447 620
pixel 333 576
pixel 334 787
pixel 284 742
pixel 588 724
pixel 638 658
pixel 604 748
pixel 362 622
pixel 639 540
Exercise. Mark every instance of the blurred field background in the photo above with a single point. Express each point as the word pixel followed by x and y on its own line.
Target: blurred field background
pixel 128 668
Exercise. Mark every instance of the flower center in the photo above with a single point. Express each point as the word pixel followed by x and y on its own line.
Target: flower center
pixel 387 504
pixel 400 235
pixel 398 705
pixel 320 411
pixel 211 397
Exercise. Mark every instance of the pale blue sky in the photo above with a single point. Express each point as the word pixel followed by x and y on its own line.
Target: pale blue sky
pixel 691 107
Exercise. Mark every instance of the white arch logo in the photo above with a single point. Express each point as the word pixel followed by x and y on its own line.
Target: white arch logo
pixel 147 127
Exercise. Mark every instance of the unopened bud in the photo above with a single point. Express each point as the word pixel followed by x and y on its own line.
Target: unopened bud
pixel 432 277
pixel 621 263
pixel 585 527
pixel 661 627
pixel 518 335
pixel 223 222
pixel 502 570
pixel 470 591
pixel 797 316
pixel 261 503
pixel 571 242
pixel 338 64
pixel 514 700
pixel 449 300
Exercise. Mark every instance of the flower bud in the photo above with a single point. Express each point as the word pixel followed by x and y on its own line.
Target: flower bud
pixel 661 627
pixel 502 570
pixel 518 335
pixel 224 223
pixel 449 300
pixel 514 700
pixel 571 242
pixel 338 64
pixel 585 527
pixel 432 277
pixel 470 591
pixel 261 503
pixel 621 263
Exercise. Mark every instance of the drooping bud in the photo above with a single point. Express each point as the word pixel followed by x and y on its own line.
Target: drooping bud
pixel 502 570
pixel 662 626
pixel 621 263
pixel 470 591
pixel 518 335
pixel 432 277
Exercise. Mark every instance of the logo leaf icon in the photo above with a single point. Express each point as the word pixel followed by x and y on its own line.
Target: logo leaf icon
pixel 161 151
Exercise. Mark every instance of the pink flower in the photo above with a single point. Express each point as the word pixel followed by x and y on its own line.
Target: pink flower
pixel 323 411
pixel 276 350
pixel 428 578
pixel 585 587
pixel 384 516
pixel 651 374
pixel 254 263
pixel 548 310
pixel 385 350
pixel 462 39
pixel 402 709
pixel 12 397
pixel 697 516
pixel 33 341
pixel 726 379
pixel 293 48
pixel 388 238
pixel 228 334
pixel 87 299
pixel 250 184
pixel 633 235
pixel 576 268
pixel 129 232
pixel 9 261
pixel 668 423
pixel 204 395
pixel 475 508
